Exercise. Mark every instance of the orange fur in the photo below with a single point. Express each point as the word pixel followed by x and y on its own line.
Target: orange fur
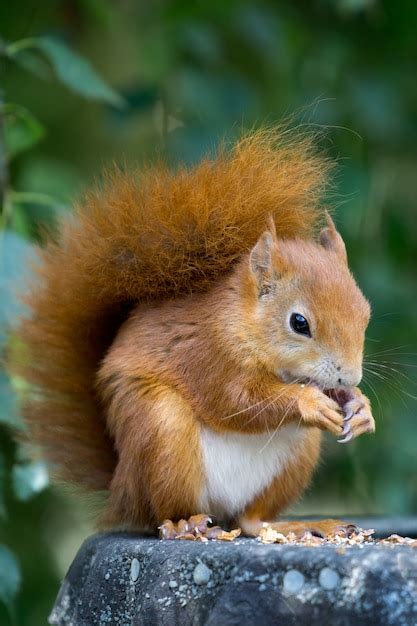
pixel 208 359
pixel 119 398
pixel 146 235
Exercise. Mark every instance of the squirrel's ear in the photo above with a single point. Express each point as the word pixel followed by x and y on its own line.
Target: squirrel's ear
pixel 261 254
pixel 271 227
pixel 261 259
pixel 331 239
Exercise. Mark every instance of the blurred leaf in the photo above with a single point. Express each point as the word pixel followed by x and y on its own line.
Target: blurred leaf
pixel 29 479
pixel 3 513
pixel 8 403
pixel 10 577
pixel 32 62
pixel 19 220
pixel 70 68
pixel 33 197
pixel 76 72
pixel 354 6
pixel 15 256
pixel 22 130
pixel 44 175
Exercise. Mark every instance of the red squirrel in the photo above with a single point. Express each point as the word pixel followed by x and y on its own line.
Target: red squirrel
pixel 191 334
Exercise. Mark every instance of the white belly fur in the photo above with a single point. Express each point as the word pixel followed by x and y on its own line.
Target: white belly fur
pixel 238 467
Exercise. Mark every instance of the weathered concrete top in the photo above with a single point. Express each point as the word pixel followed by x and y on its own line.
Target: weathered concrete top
pixel 128 580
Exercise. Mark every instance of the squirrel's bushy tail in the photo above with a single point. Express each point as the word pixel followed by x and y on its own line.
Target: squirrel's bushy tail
pixel 144 236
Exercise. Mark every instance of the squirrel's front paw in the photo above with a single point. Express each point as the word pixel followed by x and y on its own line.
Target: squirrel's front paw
pixel 358 417
pixel 317 409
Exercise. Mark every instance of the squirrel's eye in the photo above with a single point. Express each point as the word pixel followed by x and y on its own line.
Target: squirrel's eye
pixel 299 324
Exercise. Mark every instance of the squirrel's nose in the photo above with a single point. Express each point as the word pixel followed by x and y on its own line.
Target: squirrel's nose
pixel 350 378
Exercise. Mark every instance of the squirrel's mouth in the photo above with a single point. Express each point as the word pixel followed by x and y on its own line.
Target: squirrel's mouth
pixel 341 395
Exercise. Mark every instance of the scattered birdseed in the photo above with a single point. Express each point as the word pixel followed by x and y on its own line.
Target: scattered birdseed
pixel 199 528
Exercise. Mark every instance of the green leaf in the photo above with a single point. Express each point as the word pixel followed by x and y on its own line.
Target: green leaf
pixel 15 257
pixel 3 513
pixel 33 62
pixel 45 175
pixel 29 479
pixel 8 403
pixel 22 130
pixel 10 577
pixel 354 6
pixel 76 72
pixel 19 220
pixel 70 68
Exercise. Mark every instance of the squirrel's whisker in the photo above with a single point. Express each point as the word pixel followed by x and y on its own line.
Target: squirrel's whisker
pixel 269 404
pixel 396 388
pixel 248 408
pixel 275 398
pixel 394 351
pixel 290 406
pixel 388 377
pixel 373 390
pixel 390 369
pixel 317 371
pixel 399 363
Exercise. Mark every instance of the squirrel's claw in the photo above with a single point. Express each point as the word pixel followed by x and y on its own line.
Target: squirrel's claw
pixel 358 426
pixel 347 431
pixel 357 420
pixel 348 436
pixel 346 428
pixel 196 528
pixel 348 416
pixel 199 523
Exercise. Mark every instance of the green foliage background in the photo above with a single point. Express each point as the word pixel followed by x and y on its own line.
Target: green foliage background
pixel 183 74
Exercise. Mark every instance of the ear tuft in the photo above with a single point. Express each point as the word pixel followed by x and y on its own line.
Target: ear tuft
pixel 330 239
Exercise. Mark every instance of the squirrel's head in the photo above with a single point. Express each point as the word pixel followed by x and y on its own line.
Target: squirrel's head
pixel 307 315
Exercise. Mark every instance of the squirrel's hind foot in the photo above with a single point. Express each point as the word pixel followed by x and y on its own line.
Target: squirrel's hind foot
pixel 325 529
pixel 196 528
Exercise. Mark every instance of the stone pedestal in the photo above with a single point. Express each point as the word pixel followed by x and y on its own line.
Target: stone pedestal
pixel 128 580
